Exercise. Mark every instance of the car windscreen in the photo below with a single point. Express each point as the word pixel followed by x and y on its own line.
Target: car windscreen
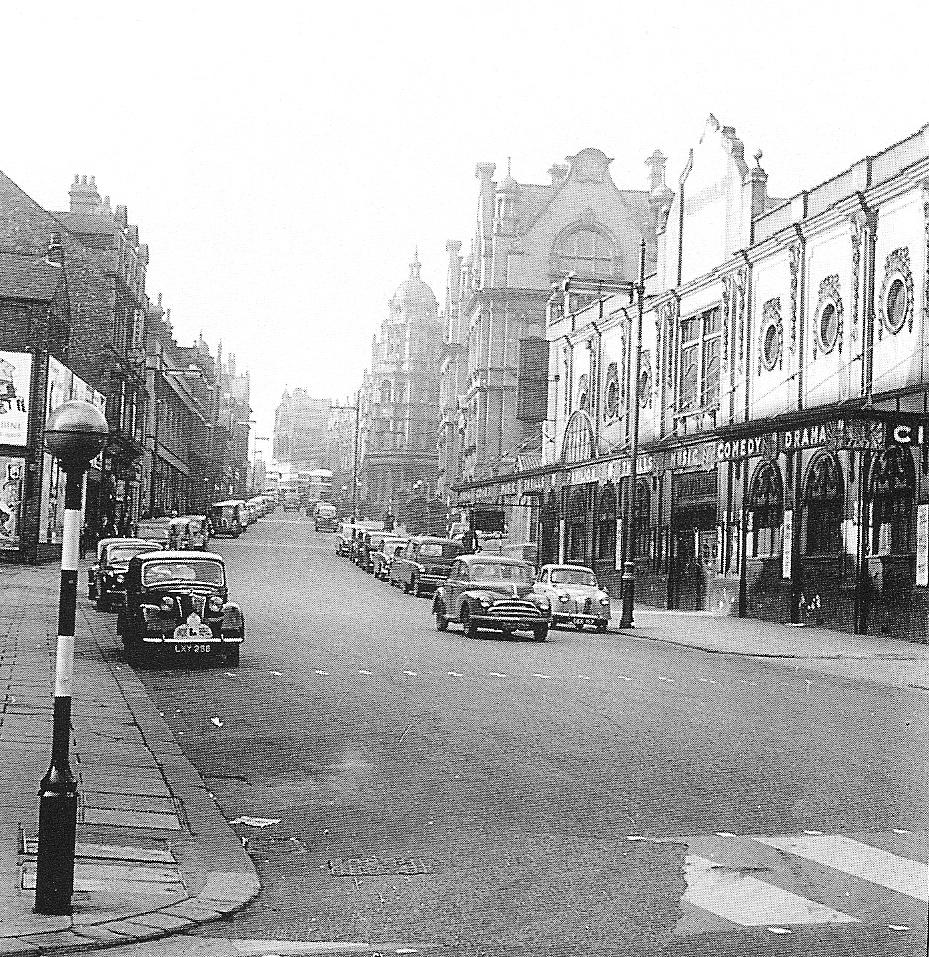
pixel 156 532
pixel 121 554
pixel 181 570
pixel 491 571
pixel 573 576
pixel 439 550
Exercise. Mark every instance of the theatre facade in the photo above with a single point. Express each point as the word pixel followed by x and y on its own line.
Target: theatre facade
pixel 783 461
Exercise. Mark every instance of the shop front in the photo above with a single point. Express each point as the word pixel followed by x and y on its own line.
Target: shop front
pixel 830 516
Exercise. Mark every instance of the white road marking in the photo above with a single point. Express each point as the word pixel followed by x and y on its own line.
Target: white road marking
pixel 860 860
pixel 277 674
pixel 748 902
pixel 322 673
pixel 584 677
pixel 624 678
pixel 779 930
pixel 898 927
pixel 537 674
pixel 663 678
pixel 496 674
pixel 901 830
pixel 362 671
pixel 813 833
pixel 455 674
pixel 725 834
pixel 411 674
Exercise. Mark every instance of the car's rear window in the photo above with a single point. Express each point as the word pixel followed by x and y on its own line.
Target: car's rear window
pixel 123 553
pixel 205 572
pixel 439 550
pixel 491 571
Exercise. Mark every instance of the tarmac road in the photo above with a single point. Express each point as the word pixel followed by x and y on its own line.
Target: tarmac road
pixel 593 793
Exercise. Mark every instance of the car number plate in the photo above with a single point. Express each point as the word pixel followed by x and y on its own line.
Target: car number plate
pixel 194 648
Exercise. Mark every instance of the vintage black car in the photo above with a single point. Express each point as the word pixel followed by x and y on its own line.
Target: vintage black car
pixel 492 593
pixel 177 605
pixel 108 581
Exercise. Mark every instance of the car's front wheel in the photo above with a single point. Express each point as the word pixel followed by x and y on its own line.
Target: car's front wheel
pixel 601 626
pixel 540 632
pixel 468 626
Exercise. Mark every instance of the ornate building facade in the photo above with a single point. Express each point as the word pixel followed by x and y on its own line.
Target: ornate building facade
pixel 400 400
pixel 782 400
pixel 526 238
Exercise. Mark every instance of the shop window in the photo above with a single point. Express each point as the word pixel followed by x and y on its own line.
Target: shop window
pixel 892 493
pixel 766 502
pixel 824 506
pixel 606 524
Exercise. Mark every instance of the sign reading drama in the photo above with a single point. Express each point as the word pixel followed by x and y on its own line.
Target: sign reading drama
pixel 15 377
pixel 839 434
pixel 922 546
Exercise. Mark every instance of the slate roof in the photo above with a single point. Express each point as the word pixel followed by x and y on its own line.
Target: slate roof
pixel 27 277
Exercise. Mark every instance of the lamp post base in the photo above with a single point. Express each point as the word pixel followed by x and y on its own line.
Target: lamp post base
pixel 625 620
pixel 57 834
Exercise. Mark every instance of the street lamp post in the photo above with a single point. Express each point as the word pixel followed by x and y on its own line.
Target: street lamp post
pixel 75 433
pixel 628 581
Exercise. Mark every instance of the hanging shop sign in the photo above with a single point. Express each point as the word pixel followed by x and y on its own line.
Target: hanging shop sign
pixel 15 377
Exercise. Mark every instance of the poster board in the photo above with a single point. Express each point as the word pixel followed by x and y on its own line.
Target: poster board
pixel 15 381
pixel 787 549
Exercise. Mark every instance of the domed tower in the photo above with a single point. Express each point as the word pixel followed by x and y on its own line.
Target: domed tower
pixel 404 390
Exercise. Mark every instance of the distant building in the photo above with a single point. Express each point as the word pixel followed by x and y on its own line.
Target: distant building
pixel 528 237
pixel 400 400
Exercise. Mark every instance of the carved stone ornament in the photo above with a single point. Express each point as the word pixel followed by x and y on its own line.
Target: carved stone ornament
pixel 794 253
pixel 857 221
pixel 727 304
pixel 926 223
pixel 771 338
pixel 828 321
pixel 739 310
pixel 896 302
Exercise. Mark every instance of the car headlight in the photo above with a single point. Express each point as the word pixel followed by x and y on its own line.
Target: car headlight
pixel 167 605
pixel 485 603
pixel 120 579
pixel 542 601
pixel 215 603
pixel 563 597
pixel 604 601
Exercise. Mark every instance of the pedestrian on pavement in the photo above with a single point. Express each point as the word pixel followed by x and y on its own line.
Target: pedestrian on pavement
pixel 469 542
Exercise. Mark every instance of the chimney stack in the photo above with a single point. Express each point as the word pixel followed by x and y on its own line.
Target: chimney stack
pixel 84 196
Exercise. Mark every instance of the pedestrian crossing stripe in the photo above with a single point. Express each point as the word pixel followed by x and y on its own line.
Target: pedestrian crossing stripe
pixel 749 902
pixel 774 881
pixel 868 863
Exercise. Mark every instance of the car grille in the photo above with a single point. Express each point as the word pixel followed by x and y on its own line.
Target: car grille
pixel 514 608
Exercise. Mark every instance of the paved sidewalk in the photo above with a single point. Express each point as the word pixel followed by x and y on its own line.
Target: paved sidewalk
pixel 884 661
pixel 155 855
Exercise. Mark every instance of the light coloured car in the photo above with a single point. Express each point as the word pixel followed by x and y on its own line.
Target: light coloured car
pixel 575 596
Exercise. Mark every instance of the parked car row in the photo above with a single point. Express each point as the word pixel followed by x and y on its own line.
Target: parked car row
pixel 482 591
pixel 169 601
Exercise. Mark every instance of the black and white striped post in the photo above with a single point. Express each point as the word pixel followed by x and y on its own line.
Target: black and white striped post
pixel 75 433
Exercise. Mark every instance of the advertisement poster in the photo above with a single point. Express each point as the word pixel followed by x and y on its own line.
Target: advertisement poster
pixel 786 566
pixel 15 376
pixel 63 386
pixel 922 546
pixel 12 470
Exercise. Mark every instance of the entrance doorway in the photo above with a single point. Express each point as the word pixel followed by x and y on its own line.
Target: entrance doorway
pixel 694 540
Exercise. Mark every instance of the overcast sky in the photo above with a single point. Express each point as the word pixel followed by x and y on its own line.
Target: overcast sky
pixel 283 159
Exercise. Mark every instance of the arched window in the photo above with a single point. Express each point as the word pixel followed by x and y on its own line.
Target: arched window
pixel 577 526
pixel 606 524
pixel 766 501
pixel 585 252
pixel 583 393
pixel 579 442
pixel 892 491
pixel 642 519
pixel 824 500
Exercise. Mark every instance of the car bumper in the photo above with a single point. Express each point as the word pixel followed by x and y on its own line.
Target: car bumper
pixel 500 622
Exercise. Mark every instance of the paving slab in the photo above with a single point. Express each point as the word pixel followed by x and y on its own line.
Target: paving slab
pixel 140 861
